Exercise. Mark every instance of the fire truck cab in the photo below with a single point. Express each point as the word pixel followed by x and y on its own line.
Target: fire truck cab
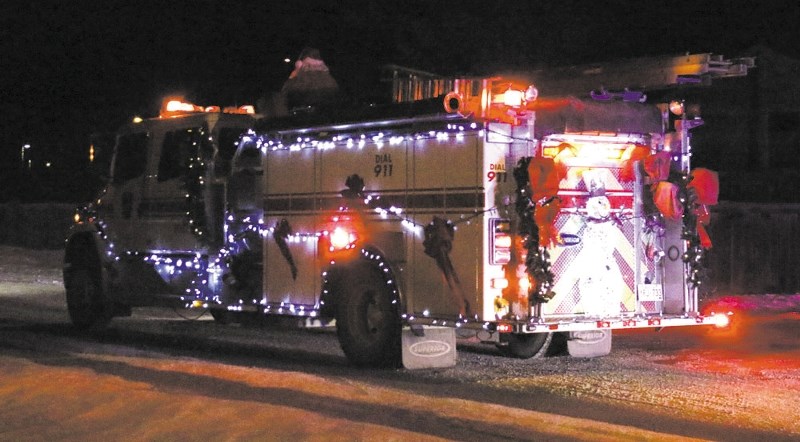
pixel 167 183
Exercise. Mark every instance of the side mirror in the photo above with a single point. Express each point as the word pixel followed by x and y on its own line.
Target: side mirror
pixel 101 149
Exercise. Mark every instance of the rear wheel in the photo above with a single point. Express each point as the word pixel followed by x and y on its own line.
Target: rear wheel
pixel 525 345
pixel 558 346
pixel 87 304
pixel 367 322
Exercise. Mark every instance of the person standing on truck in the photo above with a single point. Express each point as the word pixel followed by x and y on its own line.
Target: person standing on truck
pixel 309 85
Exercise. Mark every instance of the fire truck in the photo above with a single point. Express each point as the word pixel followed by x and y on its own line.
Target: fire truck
pixel 475 208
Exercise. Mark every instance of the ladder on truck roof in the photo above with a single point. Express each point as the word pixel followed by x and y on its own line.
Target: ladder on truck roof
pixel 641 74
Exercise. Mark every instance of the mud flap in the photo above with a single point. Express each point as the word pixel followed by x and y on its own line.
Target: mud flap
pixel 589 343
pixel 428 347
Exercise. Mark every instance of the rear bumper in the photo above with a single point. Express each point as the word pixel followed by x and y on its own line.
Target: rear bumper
pixel 571 324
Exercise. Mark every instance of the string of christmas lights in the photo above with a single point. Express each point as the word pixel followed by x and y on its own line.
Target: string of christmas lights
pixel 327 141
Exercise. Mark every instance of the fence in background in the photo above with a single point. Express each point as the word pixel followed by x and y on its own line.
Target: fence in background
pixel 36 226
pixel 756 246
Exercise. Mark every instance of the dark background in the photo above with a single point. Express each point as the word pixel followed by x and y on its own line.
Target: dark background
pixel 70 69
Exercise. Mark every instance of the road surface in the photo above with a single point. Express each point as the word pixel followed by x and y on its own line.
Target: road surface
pixel 178 375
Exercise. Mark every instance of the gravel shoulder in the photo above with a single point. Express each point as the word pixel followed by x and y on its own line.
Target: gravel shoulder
pixel 158 375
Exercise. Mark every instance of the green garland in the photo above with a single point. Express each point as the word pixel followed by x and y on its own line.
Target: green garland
pixel 537 261
pixel 695 255
pixel 194 185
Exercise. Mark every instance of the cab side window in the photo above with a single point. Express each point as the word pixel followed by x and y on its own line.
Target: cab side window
pixel 178 150
pixel 130 158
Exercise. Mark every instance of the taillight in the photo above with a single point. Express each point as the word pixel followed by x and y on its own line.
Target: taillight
pixel 721 320
pixel 342 234
pixel 524 284
pixel 504 327
pixel 500 241
pixel 341 238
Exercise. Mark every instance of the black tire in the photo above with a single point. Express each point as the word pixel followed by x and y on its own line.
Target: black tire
pixel 558 346
pixel 525 345
pixel 87 304
pixel 223 316
pixel 367 323
pixel 226 317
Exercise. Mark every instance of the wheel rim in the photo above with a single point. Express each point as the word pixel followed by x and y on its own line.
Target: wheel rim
pixel 367 324
pixel 374 315
pixel 82 293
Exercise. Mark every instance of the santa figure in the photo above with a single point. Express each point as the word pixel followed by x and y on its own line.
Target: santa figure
pixel 310 84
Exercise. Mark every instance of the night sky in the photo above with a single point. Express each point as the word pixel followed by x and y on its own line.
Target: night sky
pixel 72 68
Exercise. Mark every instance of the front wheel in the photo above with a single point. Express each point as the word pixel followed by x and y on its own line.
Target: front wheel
pixel 367 321
pixel 86 302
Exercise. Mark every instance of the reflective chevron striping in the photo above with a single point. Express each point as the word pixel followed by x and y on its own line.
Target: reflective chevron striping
pixel 606 263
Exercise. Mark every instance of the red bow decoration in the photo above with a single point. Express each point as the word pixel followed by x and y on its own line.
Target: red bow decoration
pixel 657 166
pixel 544 178
pixel 703 219
pixel 705 184
pixel 702 214
pixel 630 156
pixel 705 240
pixel 665 197
pixel 545 218
pixel 565 151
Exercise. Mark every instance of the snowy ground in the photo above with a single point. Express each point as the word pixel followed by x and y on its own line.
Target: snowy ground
pixel 208 382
